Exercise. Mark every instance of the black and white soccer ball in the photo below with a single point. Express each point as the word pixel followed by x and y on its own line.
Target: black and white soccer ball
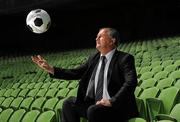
pixel 38 21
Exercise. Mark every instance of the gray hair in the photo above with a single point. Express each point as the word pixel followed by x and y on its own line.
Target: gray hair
pixel 113 33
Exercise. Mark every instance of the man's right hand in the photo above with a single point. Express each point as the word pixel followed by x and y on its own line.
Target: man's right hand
pixel 42 63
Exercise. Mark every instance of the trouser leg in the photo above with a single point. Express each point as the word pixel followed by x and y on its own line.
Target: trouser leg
pixel 72 112
pixel 100 113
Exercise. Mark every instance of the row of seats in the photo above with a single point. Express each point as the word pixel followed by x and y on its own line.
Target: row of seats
pixel 26 88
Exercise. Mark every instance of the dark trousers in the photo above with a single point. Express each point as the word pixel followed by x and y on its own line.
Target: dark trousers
pixel 94 113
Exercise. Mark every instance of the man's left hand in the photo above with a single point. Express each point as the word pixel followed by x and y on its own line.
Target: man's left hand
pixel 104 102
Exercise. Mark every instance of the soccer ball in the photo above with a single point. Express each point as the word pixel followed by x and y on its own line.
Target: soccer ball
pixel 38 21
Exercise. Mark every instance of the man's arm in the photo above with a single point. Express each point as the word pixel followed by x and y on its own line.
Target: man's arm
pixel 130 76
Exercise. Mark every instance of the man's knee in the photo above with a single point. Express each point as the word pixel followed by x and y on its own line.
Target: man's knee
pixel 68 102
pixel 93 110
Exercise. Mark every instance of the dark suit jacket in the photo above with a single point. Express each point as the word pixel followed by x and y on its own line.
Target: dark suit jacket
pixel 121 79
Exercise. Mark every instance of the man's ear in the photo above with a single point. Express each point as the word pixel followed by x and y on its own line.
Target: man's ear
pixel 113 40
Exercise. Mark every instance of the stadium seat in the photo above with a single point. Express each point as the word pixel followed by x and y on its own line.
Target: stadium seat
pixel 170 68
pixel 151 82
pixel 146 75
pixel 2 99
pixel 137 120
pixel 138 91
pixel 38 103
pixel 6 114
pixel 149 93
pixel 173 116
pixel 175 75
pixel 26 103
pixel 51 93
pixel 48 116
pixel 2 91
pixel 62 93
pixel 164 83
pixel 50 104
pixel 31 116
pixel 6 103
pixel 177 84
pixel 16 103
pixel 63 84
pixel 161 75
pixel 41 93
pixel 154 107
pixel 17 115
pixel 23 92
pixel 141 108
pixel 32 92
pixel 15 92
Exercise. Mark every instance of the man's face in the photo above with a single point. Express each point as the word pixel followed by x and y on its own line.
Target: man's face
pixel 103 40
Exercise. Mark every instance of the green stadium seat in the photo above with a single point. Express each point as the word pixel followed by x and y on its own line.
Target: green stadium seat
pixel 31 85
pixel 48 116
pixel 138 91
pixel 26 103
pixel 146 75
pixel 173 116
pixel 148 83
pixel 15 92
pixel 54 85
pixel 2 99
pixel 145 69
pixel 73 92
pixel 73 84
pixel 154 107
pixel 8 92
pixel 38 103
pixel 6 103
pixel 141 108
pixel 170 68
pixel 175 75
pixel 164 83
pixel 149 93
pixel 16 85
pixel 16 102
pixel 177 84
pixel 169 96
pixel 32 92
pixel 17 115
pixel 63 84
pixel 51 93
pixel 31 116
pixel 6 114
pixel 23 92
pixel 137 120
pixel 62 93
pixel 38 85
pixel 157 69
pixel 1 110
pixel 167 63
pixel 2 91
pixel 161 75
pixel 46 85
pixel 177 63
pixel 155 63
pixel 23 85
pixel 41 93
pixel 50 104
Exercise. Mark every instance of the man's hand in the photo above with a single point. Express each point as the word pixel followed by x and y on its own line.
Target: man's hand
pixel 104 102
pixel 41 62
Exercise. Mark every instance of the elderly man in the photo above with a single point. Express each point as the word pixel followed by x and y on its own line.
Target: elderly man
pixel 107 83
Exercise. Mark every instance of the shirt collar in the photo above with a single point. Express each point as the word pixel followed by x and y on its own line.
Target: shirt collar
pixel 110 54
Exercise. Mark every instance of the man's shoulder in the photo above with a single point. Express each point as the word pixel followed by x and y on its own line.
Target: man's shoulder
pixel 121 53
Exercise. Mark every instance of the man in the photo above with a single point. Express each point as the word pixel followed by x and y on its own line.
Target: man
pixel 106 88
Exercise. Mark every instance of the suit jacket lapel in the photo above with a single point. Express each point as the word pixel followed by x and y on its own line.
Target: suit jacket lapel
pixel 111 66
